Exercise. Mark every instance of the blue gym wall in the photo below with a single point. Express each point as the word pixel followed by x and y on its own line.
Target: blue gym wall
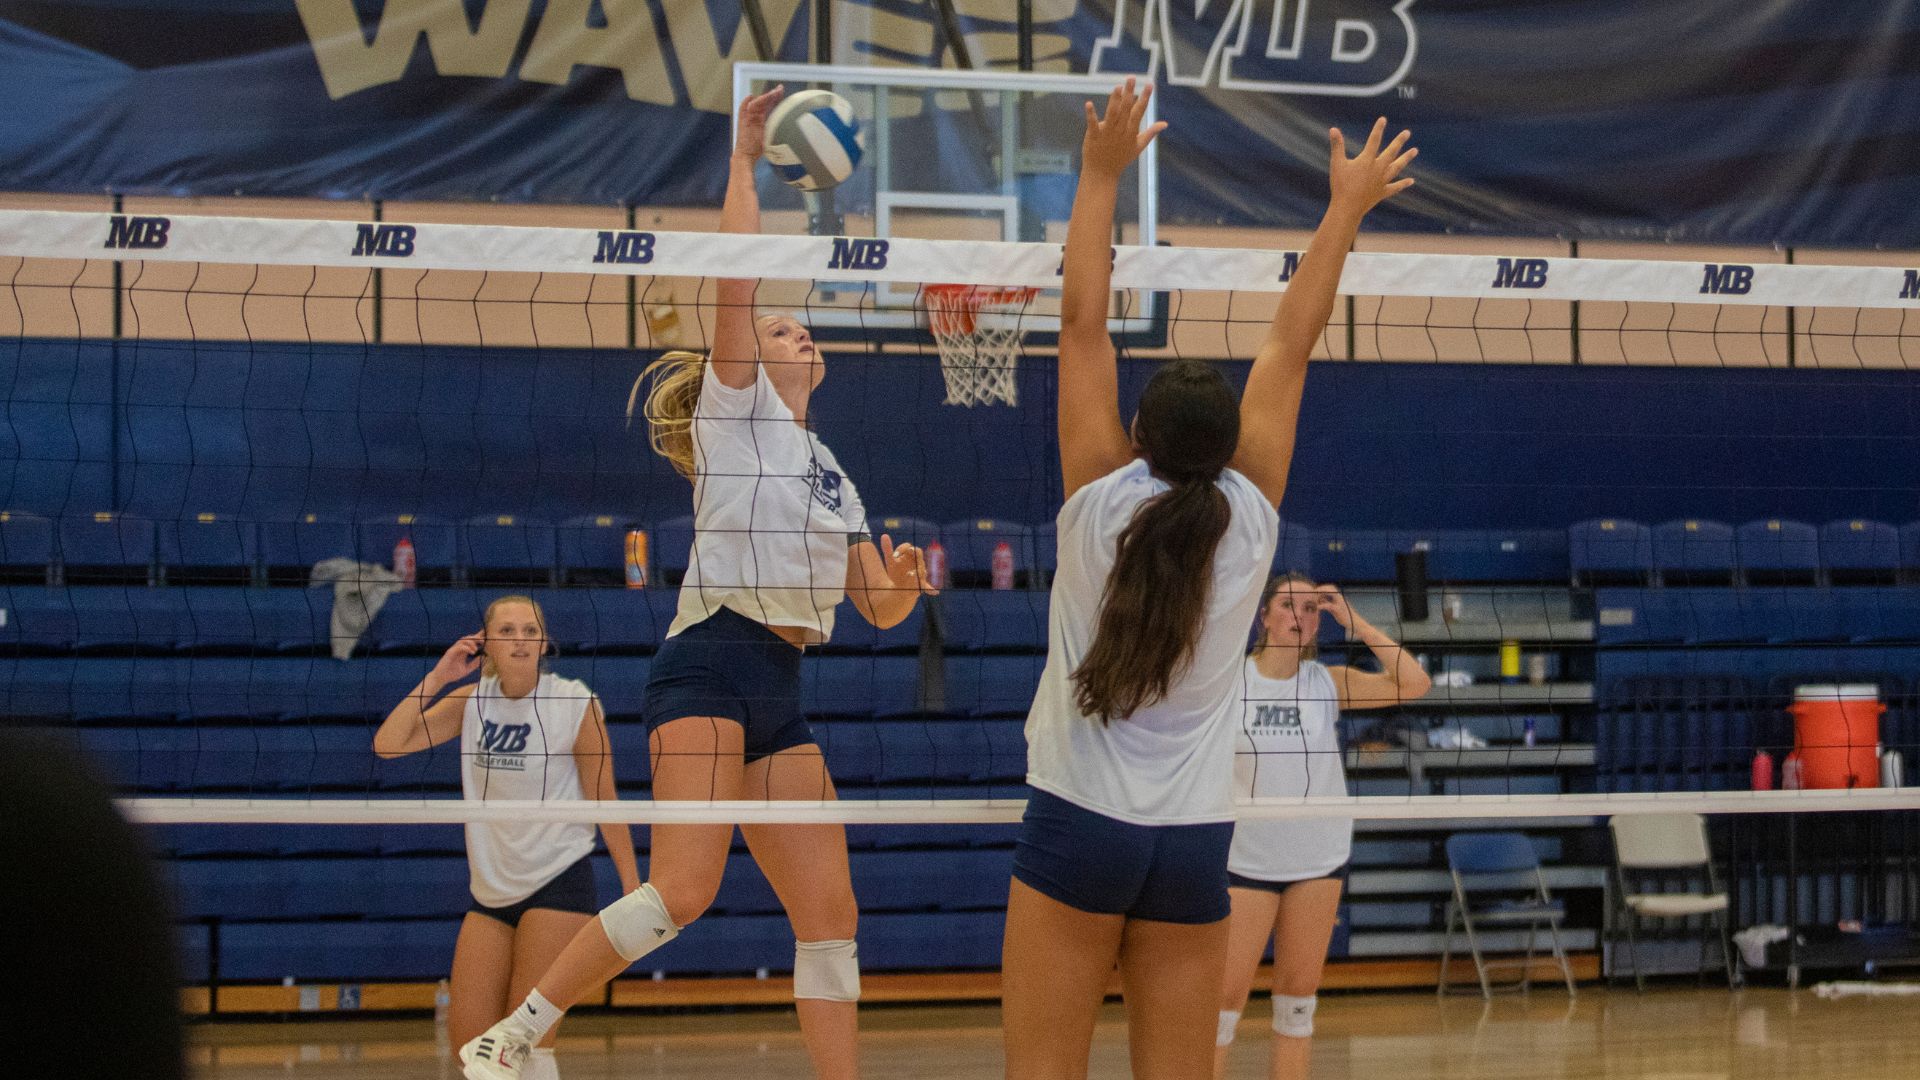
pixel 273 430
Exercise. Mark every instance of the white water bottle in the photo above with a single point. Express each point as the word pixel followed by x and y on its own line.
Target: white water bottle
pixel 937 564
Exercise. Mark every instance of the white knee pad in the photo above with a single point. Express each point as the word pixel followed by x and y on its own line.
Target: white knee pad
pixel 1293 1016
pixel 1229 1020
pixel 637 923
pixel 826 970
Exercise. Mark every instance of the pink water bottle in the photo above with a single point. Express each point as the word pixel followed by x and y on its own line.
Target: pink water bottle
pixel 1762 771
pixel 403 561
pixel 937 564
pixel 1791 775
pixel 1003 565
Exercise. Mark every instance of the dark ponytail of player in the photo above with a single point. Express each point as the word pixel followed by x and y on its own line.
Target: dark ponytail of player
pixel 1155 602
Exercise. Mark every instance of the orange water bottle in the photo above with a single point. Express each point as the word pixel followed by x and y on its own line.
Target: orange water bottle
pixel 637 559
pixel 403 567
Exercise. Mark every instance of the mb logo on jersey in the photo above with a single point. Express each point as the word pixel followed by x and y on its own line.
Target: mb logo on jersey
pixel 826 485
pixel 504 738
pixel 1347 48
pixel 1276 718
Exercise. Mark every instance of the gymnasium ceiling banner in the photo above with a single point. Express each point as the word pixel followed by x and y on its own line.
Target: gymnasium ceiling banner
pixel 1746 121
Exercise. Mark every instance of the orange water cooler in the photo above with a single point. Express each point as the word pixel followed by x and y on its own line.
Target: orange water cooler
pixel 1836 735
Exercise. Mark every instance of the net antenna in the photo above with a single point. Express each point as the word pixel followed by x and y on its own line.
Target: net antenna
pixel 978 330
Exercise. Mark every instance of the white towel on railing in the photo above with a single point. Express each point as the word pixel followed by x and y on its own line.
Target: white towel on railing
pixel 360 590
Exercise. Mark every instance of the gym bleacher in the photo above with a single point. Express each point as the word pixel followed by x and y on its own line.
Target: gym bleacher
pixel 188 658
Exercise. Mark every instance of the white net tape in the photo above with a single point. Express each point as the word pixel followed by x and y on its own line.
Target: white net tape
pixel 1502 808
pixel 978 330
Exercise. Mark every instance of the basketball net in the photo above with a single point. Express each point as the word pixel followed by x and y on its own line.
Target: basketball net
pixel 977 329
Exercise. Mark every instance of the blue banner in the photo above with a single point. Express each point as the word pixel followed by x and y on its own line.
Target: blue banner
pixel 1789 121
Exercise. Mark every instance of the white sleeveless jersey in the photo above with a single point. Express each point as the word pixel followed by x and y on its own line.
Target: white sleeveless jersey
pixel 522 749
pixel 773 514
pixel 1171 763
pixel 1289 747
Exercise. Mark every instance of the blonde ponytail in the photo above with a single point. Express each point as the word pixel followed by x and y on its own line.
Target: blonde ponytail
pixel 669 406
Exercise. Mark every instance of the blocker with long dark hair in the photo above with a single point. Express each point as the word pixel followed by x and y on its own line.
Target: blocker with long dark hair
pixel 1187 428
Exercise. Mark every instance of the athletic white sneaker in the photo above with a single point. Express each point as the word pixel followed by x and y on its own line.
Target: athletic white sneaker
pixel 496 1054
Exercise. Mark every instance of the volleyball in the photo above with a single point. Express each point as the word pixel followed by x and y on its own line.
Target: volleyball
pixel 813 140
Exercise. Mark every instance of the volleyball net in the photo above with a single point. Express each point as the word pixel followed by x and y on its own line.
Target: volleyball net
pixel 262 473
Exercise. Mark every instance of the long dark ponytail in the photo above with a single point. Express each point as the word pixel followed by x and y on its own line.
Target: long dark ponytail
pixel 1155 602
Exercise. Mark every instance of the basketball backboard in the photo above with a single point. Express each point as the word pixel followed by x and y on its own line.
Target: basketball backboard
pixel 962 155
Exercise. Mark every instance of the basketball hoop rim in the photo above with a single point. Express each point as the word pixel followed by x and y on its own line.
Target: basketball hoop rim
pixel 962 303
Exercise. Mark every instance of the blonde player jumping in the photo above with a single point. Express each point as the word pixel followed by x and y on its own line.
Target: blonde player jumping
pixel 780 536
pixel 525 734
pixel 1286 876
pixel 1165 537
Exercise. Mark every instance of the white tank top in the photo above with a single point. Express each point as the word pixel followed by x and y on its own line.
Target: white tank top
pixel 773 514
pixel 1289 747
pixel 1171 763
pixel 522 749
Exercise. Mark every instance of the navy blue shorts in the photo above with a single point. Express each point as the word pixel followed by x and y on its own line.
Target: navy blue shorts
pixel 572 890
pixel 1241 881
pixel 729 666
pixel 1085 860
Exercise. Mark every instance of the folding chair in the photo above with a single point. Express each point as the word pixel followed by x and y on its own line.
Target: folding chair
pixel 1504 862
pixel 1664 845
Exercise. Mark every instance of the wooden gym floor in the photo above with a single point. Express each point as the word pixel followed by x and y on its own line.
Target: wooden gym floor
pixel 1688 1034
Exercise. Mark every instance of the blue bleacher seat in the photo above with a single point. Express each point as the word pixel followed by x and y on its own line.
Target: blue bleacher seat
pixel 1889 615
pixel 1855 551
pixel 1693 552
pixel 906 530
pixel 107 547
pixel 119 618
pixel 592 549
pixel 39 619
pixel 991 685
pixel 205 548
pixel 1294 554
pixel 315 951
pixel 963 879
pixel 839 685
pixel 1776 552
pixel 1910 551
pixel 416 887
pixel 933 835
pixel 435 544
pixel 623 620
pixel 1714 616
pixel 289 549
pixel 253 620
pixel 990 620
pixel 273 888
pixel 1358 556
pixel 1492 556
pixel 852 750
pixel 1610 551
pixel 27 551
pixel 1046 548
pixel 505 549
pixel 970 545
pixel 853 633
pixel 37 686
pixel 669 546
